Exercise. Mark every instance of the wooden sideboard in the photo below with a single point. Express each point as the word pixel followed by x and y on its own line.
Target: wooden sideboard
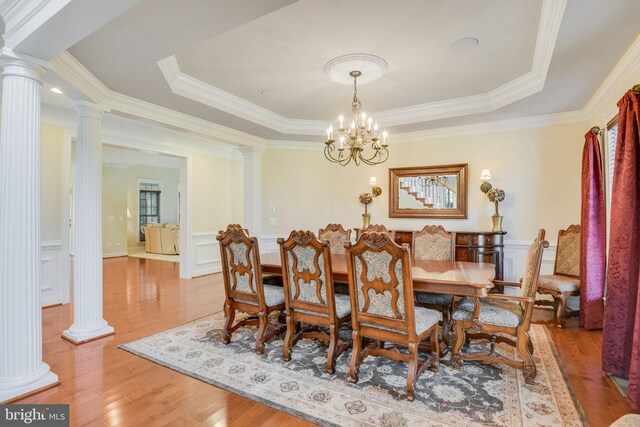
pixel 472 246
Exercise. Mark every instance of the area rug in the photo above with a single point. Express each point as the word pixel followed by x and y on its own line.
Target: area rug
pixel 479 394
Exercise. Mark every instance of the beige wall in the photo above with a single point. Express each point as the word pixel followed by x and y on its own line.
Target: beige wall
pixel 114 210
pixel 538 168
pixel 53 171
pixel 216 193
pixel 170 180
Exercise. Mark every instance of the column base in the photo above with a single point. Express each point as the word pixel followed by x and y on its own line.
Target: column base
pixel 42 383
pixel 85 337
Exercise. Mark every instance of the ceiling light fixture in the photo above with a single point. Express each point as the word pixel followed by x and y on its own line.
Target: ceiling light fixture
pixel 56 90
pixel 361 140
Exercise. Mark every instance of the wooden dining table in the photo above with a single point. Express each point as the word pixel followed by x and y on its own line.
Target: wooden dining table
pixel 460 278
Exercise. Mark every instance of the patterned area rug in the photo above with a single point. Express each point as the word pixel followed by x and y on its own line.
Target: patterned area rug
pixel 480 394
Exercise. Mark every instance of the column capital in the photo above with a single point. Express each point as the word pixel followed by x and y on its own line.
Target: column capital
pixel 20 65
pixel 89 110
pixel 252 150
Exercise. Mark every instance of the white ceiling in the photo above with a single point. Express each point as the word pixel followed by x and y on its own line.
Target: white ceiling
pixel 248 46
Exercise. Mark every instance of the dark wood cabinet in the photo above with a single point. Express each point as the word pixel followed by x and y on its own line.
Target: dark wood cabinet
pixel 471 246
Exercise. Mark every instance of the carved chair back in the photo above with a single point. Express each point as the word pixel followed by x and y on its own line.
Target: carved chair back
pixel 241 269
pixel 434 243
pixel 336 235
pixel 380 284
pixel 306 270
pixel 529 285
pixel 568 252
pixel 379 228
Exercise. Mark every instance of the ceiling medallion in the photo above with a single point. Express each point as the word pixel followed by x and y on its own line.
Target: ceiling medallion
pixel 362 141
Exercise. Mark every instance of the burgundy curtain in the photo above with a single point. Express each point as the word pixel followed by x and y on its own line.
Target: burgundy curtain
pixel 592 235
pixel 621 340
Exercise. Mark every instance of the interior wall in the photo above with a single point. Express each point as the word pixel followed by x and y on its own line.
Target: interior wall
pixel 170 179
pixel 217 193
pixel 538 168
pixel 114 211
pixel 52 173
pixel 55 165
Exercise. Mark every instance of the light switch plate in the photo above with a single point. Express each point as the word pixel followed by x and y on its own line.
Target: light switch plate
pixel 273 221
pixel 272 208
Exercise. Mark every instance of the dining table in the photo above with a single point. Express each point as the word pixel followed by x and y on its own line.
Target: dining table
pixel 460 278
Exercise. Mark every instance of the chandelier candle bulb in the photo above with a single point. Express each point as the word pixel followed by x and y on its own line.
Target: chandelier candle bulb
pixel 341 119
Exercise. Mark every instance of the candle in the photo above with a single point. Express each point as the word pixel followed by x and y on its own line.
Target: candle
pixel 353 124
pixel 341 142
pixel 369 120
pixel 375 129
pixel 364 117
pixel 330 131
pixel 384 137
pixel 341 118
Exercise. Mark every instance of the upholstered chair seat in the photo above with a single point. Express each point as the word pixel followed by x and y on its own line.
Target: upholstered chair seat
pixel 273 295
pixel 343 306
pixel 559 283
pixel 425 319
pixel 497 313
pixel 431 298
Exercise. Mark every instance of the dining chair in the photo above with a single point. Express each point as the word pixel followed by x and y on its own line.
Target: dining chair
pixel 336 235
pixel 434 243
pixel 382 307
pixel 565 280
pixel 502 318
pixel 309 295
pixel 378 228
pixel 244 288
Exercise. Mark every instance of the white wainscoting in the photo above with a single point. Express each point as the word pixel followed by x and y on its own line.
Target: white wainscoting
pixel 268 244
pixel 206 253
pixel 55 275
pixel 515 255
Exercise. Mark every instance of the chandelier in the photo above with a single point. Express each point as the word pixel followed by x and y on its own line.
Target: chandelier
pixel 361 141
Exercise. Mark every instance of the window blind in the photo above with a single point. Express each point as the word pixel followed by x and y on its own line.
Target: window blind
pixel 612 139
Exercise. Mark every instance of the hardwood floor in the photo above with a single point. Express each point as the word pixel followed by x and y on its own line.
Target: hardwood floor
pixel 108 386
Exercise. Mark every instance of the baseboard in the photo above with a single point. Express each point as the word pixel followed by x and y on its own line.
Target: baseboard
pixel 114 254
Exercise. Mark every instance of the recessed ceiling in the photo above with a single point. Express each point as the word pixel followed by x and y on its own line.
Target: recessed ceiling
pixel 286 51
pixel 272 58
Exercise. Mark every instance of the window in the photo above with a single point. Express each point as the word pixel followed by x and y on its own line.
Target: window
pixel 149 205
pixel 612 140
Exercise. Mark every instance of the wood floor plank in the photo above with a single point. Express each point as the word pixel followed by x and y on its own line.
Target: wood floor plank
pixel 106 386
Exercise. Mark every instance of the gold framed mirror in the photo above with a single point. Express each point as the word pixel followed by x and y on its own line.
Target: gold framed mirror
pixel 428 192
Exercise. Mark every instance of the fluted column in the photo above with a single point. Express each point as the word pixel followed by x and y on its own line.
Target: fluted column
pixel 252 188
pixel 22 369
pixel 88 323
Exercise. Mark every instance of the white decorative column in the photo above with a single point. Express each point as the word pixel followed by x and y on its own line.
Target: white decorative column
pixel 88 323
pixel 252 188
pixel 22 370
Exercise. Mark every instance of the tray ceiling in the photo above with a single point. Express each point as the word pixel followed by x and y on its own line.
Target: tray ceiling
pixel 258 69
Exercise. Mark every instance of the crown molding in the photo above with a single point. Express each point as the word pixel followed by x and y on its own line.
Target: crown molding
pixel 69 68
pixel 528 84
pixel 189 87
